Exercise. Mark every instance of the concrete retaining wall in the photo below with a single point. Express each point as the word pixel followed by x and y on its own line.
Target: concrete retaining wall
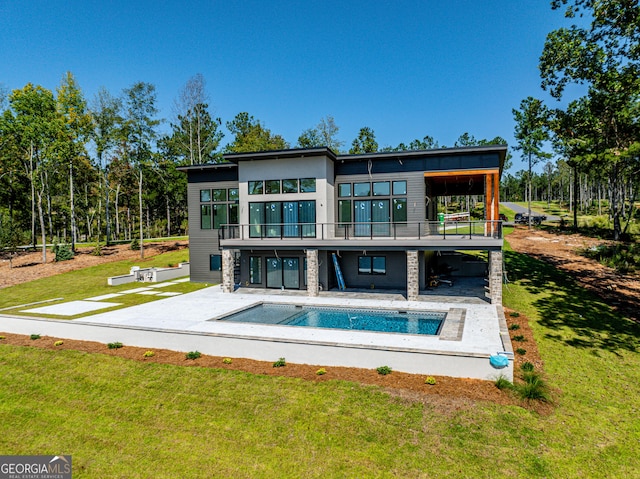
pixel 151 275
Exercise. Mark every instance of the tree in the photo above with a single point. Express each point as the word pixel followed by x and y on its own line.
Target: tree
pixel 140 124
pixel 34 125
pixel 107 132
pixel 324 134
pixel 605 56
pixel 195 136
pixel 250 136
pixel 531 133
pixel 365 142
pixel 310 138
pixel 76 128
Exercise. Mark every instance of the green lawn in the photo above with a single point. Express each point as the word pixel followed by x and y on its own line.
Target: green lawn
pixel 89 282
pixel 129 419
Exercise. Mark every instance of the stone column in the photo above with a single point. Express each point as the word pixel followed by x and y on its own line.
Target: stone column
pixel 413 276
pixel 227 271
pixel 312 272
pixel 495 277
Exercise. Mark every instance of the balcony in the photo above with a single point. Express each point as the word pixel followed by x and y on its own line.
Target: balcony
pixel 446 235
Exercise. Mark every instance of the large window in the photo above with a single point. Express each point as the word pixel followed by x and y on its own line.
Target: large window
pixel 219 206
pixel 372 265
pixel 382 202
pixel 282 219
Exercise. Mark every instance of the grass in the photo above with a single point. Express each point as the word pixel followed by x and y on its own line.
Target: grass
pixel 89 282
pixel 130 419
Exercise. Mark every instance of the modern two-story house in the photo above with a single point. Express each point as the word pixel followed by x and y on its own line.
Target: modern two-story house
pixel 310 219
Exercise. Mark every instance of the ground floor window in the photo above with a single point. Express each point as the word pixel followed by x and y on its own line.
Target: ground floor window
pixel 255 270
pixel 215 262
pixel 372 265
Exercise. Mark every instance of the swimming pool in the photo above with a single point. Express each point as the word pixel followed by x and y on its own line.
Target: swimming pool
pixel 419 322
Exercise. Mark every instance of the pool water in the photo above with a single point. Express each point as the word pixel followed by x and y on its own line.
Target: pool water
pixel 421 322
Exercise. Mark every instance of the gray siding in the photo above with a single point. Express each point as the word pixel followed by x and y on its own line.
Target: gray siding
pixel 203 243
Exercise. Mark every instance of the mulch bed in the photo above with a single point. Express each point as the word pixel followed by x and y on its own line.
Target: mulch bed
pixel 448 393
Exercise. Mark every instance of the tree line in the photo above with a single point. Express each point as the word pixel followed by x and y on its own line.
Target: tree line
pixel 76 170
pixel 596 137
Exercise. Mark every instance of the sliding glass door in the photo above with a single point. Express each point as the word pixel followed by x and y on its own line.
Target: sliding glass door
pixel 283 272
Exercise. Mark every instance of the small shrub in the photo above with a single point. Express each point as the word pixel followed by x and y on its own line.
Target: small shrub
pixel 63 252
pixel 114 345
pixel 527 367
pixel 503 383
pixel 193 355
pixel 2 337
pixel 430 380
pixel 514 314
pixel 321 371
pixel 519 338
pixel 227 361
pixel 521 351
pixel 58 343
pixel 135 244
pixel 533 388
pixel 35 336
pixel 384 370
pixel 97 251
pixel 514 327
pixel 280 363
pixel 149 354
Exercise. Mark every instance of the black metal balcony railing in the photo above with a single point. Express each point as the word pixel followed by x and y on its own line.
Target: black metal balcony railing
pixel 345 231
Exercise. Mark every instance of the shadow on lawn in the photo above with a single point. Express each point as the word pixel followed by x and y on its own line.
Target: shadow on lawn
pixel 563 303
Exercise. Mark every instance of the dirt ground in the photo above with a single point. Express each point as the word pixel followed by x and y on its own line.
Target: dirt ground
pixel 447 394
pixel 618 290
pixel 28 266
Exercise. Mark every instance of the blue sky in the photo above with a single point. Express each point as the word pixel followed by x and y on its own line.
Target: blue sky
pixel 406 69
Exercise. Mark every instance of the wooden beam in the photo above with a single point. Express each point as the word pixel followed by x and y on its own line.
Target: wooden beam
pixel 434 174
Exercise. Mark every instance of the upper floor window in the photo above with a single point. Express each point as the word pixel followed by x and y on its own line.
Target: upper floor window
pixel 362 189
pixel 220 194
pixel 290 186
pixel 381 188
pixel 399 187
pixel 344 190
pixel 307 185
pixel 218 206
pixel 256 187
pixel 205 195
pixel 272 187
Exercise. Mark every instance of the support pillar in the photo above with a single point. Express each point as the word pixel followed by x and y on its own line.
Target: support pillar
pixel 413 276
pixel 227 271
pixel 495 277
pixel 312 272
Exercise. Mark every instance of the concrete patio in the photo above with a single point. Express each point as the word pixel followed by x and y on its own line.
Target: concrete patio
pixel 190 322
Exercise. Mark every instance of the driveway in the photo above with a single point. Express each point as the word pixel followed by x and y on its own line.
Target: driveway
pixel 523 209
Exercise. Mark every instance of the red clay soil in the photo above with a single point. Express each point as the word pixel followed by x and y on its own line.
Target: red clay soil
pixel 28 266
pixel 448 394
pixel 562 250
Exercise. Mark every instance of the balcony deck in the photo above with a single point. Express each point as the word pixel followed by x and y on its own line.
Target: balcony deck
pixel 446 235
